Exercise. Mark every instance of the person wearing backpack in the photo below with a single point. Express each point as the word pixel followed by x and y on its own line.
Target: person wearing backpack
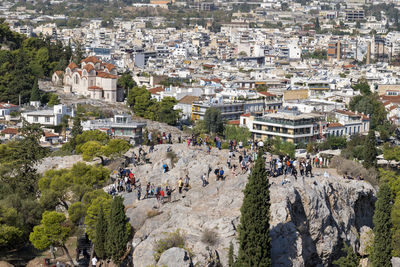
pixel 216 172
pixel 221 174
pixel 180 185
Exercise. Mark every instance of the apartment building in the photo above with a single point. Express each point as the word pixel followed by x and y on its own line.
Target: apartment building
pixel 230 109
pixel 120 126
pixel 290 126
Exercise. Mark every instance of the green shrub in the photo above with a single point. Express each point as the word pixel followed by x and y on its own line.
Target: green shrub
pixel 171 240
pixel 209 237
pixel 173 157
pixel 225 145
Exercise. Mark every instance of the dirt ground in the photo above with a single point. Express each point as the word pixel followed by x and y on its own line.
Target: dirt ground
pixel 60 256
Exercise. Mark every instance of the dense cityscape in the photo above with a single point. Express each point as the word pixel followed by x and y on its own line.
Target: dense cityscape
pixel 199 133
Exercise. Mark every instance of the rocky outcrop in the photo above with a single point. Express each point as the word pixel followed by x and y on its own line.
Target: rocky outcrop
pixel 175 257
pixel 310 217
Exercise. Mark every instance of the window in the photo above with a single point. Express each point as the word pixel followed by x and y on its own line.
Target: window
pixel 35 119
pixel 47 119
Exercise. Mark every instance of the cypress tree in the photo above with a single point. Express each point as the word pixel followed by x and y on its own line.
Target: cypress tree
pixel 369 150
pixel 255 242
pixel 117 232
pixel 101 232
pixel 231 259
pixel 35 93
pixel 382 248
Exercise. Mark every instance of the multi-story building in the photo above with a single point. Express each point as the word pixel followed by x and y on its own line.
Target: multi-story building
pixel 230 110
pixel 355 14
pixel 290 126
pixel 94 79
pixel 120 126
pixel 48 117
pixel 334 50
pixel 348 123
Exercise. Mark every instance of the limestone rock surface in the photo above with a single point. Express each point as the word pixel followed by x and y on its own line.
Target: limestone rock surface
pixel 310 217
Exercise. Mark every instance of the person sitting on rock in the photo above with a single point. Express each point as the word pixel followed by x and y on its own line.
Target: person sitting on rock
pixel 165 168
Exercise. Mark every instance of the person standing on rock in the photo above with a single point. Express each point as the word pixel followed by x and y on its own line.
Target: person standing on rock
pixel 169 138
pixel 139 192
pixel 186 181
pixel 228 162
pixel 234 174
pixel 309 169
pixel 203 179
pixel 149 137
pixel 180 185
pixel 151 149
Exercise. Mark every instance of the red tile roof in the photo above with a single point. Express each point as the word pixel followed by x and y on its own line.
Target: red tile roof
pixel 109 66
pixel 50 134
pixel 156 90
pixel 95 88
pixel 88 67
pixel 245 115
pixel 10 131
pixel 72 66
pixel 234 122
pixel 349 66
pixel 265 93
pixel 188 99
pixel 392 99
pixel 393 107
pixel 334 125
pixel 59 72
pixel 106 75
pixel 7 105
pixel 347 112
pixel 92 59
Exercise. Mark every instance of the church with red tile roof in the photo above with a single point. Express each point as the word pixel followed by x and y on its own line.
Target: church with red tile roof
pixel 93 79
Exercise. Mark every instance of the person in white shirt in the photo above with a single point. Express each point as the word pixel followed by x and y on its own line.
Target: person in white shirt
pixel 94 261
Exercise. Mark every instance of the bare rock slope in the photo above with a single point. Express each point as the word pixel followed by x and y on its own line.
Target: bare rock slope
pixel 310 217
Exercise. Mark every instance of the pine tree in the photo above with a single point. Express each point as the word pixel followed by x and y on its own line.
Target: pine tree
pixel 350 260
pixel 35 93
pixel 101 231
pixel 255 242
pixel 117 232
pixel 370 151
pixel 231 259
pixel 382 247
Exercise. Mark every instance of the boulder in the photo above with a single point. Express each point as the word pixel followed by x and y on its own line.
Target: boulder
pixel 175 257
pixel 366 239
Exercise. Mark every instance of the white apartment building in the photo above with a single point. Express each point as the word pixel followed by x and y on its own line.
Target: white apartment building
pixel 49 117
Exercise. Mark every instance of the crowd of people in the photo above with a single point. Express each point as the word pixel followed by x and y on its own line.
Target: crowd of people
pixel 240 160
